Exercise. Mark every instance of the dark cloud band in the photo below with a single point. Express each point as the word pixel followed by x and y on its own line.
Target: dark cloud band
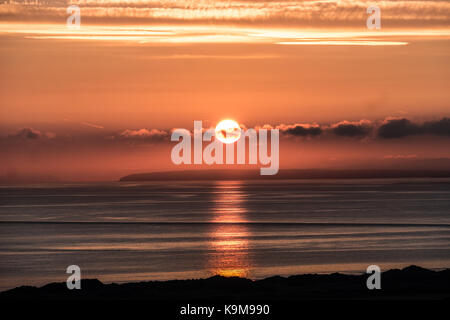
pixel 399 128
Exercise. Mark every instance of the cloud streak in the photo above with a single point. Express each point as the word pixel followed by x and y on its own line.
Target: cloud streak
pixel 144 135
pixel 284 12
pixel 92 125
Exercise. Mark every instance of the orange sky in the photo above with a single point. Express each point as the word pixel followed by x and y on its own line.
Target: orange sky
pixel 251 61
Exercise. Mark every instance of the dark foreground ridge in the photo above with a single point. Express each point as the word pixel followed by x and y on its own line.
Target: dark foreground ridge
pixel 240 174
pixel 409 283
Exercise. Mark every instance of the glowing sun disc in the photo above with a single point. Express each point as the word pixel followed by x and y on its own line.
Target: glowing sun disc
pixel 228 131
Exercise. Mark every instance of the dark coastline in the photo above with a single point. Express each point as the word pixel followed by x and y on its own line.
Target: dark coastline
pixel 410 283
pixel 241 174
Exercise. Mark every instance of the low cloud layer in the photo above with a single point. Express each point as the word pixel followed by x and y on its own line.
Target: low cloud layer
pixel 399 128
pixel 30 134
pixel 388 129
pixel 352 129
pixel 440 127
pixel 300 130
pixel 27 133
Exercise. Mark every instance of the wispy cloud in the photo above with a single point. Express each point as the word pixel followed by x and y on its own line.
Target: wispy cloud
pixel 144 135
pixel 400 156
pixel 220 34
pixel 92 125
pixel 283 12
pixel 356 42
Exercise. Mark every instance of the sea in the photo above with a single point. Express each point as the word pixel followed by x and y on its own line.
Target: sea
pixel 145 231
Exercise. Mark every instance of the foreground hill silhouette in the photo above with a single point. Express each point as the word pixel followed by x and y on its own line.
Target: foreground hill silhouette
pixel 409 283
pixel 240 174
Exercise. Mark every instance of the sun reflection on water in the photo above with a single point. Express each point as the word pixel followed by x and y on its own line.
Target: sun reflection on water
pixel 229 252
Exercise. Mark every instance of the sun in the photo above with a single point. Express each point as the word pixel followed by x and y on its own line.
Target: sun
pixel 228 131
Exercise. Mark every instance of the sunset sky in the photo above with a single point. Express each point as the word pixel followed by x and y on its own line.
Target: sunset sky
pixel 99 102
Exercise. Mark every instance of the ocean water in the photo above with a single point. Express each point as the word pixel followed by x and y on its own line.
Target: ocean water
pixel 121 232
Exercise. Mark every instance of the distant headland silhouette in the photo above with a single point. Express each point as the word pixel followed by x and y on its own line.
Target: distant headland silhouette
pixel 254 174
